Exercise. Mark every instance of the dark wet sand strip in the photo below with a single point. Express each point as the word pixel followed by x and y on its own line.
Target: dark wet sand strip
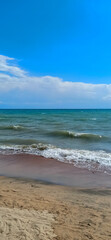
pixel 51 170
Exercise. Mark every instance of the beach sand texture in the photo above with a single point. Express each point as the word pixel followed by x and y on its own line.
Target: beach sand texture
pixel 34 210
pixel 25 224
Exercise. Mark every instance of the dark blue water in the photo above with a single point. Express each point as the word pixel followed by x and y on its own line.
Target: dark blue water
pixel 82 137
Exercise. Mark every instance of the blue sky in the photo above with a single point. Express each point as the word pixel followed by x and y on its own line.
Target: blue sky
pixel 65 39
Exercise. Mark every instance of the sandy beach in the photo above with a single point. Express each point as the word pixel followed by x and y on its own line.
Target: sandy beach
pixel 55 120
pixel 31 209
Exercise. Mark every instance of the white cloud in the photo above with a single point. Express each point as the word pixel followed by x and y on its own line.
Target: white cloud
pixel 48 91
pixel 6 66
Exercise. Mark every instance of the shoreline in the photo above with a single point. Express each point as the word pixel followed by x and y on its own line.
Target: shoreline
pixel 29 166
pixel 46 199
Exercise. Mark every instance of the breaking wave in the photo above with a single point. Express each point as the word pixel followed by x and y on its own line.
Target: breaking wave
pixel 98 160
pixel 12 127
pixel 70 134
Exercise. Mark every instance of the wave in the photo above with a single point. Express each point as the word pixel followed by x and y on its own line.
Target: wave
pixel 70 134
pixel 84 119
pixel 18 142
pixel 93 160
pixel 12 127
pixel 93 119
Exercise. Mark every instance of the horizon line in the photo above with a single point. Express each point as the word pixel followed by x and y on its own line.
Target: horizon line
pixel 55 108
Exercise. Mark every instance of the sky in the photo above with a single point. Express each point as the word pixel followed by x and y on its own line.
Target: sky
pixel 55 54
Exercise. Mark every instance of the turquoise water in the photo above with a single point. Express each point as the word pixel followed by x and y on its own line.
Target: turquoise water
pixel 80 137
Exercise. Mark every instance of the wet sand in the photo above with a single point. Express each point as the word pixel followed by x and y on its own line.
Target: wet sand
pixel 32 209
pixel 51 170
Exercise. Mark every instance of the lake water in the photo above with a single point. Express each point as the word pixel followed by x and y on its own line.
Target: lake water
pixel 79 137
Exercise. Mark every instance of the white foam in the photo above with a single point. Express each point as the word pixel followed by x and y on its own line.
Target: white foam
pixel 78 155
pixel 83 158
pixel 17 127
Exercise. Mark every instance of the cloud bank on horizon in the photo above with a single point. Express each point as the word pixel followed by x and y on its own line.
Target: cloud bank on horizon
pixel 19 89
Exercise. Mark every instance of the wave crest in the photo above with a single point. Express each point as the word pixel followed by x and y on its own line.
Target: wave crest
pixel 12 127
pixel 69 134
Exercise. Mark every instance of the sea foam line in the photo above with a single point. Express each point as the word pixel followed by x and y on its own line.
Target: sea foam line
pixel 84 158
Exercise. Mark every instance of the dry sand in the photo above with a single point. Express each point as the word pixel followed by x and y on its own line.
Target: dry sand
pixel 25 224
pixel 31 210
